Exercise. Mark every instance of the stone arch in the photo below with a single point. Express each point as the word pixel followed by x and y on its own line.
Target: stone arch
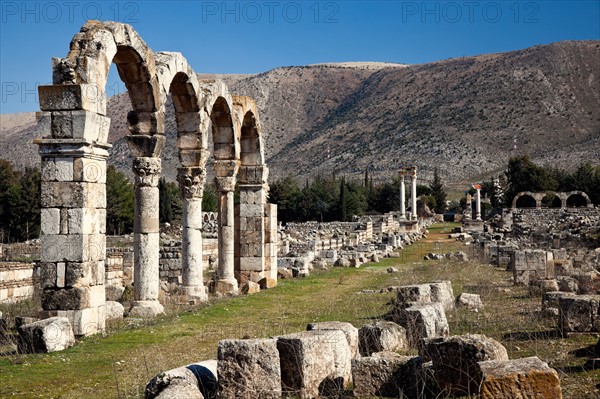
pixel 550 199
pixel 577 199
pixel 525 199
pixel 74 201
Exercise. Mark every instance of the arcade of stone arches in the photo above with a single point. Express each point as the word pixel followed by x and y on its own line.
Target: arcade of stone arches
pixel 73 134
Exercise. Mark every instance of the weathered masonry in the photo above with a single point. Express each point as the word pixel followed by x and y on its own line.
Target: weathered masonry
pixel 73 131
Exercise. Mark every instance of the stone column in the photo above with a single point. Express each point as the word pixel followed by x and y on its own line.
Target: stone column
pixel 478 204
pixel 191 181
pixel 146 237
pixel 226 174
pixel 73 150
pixel 402 197
pixel 413 176
pixel 469 214
pixel 251 264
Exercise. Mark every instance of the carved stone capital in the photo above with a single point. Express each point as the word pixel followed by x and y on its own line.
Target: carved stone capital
pixel 147 171
pixel 191 181
pixel 226 168
pixel 254 175
pixel 225 184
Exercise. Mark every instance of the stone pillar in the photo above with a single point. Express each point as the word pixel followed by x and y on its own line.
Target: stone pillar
pixel 73 149
pixel 191 181
pixel 402 197
pixel 413 176
pixel 251 224
pixel 478 204
pixel 271 241
pixel 226 174
pixel 469 214
pixel 146 237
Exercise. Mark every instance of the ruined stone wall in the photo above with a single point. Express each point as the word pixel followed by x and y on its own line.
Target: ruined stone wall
pixel 566 227
pixel 17 281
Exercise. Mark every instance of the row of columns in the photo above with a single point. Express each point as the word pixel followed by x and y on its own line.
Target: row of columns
pixel 412 172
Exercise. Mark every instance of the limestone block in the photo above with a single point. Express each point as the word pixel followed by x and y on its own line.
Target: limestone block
pixel 49 335
pixel 470 301
pixel 267 283
pixel 194 381
pixel 44 122
pixel 146 266
pixel 68 97
pixel 84 220
pixel 47 274
pixel 387 374
pixel 146 308
pixel 89 170
pixel 348 329
pixel 414 294
pixel 189 122
pixel 50 221
pixel 249 288
pixel 145 145
pixel 518 378
pixel 113 310
pixel 579 313
pixel 249 369
pixel 455 361
pixel 56 194
pixel 442 292
pixel 74 298
pixel 250 210
pixel 252 263
pixel 85 125
pixel 314 363
pixel 567 284
pixel 551 299
pixel 423 321
pixel 57 169
pixel 381 336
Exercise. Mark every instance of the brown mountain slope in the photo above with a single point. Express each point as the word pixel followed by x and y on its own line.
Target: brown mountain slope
pixel 461 115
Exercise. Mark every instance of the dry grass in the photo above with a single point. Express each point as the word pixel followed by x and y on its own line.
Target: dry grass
pixel 133 351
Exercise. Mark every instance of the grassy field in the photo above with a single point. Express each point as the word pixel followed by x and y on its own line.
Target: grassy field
pixel 119 364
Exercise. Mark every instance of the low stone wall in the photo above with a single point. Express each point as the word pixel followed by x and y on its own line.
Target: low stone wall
pixel 17 281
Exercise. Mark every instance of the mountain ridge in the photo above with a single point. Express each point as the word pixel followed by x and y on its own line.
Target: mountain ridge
pixel 461 115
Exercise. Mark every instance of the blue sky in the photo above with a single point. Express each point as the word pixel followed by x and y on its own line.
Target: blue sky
pixel 256 36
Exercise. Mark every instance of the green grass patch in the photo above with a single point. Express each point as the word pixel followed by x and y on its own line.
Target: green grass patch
pixel 119 364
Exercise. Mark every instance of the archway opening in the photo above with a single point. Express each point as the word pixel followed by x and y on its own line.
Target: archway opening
pixel 576 201
pixel 525 201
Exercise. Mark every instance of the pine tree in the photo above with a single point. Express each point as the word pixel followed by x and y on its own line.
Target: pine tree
pixel 343 201
pixel 438 193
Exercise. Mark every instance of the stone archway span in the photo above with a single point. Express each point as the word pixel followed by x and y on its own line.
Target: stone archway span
pixel 586 197
pixel 73 146
pixel 537 197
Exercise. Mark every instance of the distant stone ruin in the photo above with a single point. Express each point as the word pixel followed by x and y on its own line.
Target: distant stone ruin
pixel 73 131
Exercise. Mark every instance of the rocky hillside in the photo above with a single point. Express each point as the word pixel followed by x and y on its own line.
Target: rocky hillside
pixel 462 115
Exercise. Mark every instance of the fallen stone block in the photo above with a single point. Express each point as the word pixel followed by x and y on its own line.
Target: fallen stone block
pixel 518 378
pixel 113 310
pixel 194 381
pixel 48 335
pixel 387 374
pixel 470 301
pixel 441 291
pixel 383 336
pixel 249 369
pixel 249 288
pixel 423 321
pixel 579 313
pixel 455 361
pixel 348 329
pixel 267 283
pixel 314 363
pixel 410 294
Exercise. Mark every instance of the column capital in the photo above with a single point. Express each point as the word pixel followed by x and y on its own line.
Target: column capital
pixel 226 167
pixel 147 171
pixel 225 184
pixel 191 182
pixel 254 175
